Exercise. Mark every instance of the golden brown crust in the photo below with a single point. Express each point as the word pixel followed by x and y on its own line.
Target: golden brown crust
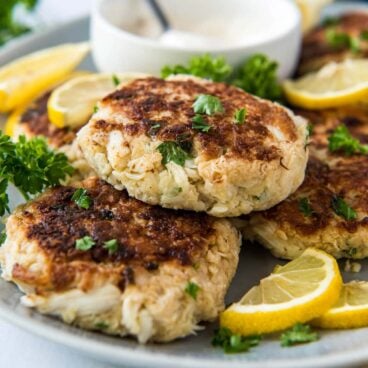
pixel 329 175
pixel 35 122
pixel 150 101
pixel 316 51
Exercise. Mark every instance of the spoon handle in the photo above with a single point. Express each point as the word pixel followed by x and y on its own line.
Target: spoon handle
pixel 161 16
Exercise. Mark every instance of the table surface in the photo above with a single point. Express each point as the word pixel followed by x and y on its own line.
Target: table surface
pixel 20 349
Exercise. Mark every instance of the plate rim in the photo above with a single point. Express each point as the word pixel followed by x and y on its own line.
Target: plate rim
pixel 126 355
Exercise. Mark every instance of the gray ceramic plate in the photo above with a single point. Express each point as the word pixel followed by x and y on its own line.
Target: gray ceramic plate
pixel 335 348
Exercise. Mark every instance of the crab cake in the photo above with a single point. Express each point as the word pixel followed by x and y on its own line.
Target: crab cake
pixel 330 210
pixel 35 122
pixel 122 266
pixel 335 40
pixel 147 138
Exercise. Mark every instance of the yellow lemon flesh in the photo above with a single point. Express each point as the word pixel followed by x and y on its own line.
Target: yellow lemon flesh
pixel 25 78
pixel 303 289
pixel 336 84
pixel 73 103
pixel 351 310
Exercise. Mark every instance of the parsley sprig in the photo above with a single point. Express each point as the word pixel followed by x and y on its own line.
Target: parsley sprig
pixel 199 123
pixel 257 75
pixel 31 166
pixel 207 104
pixel 9 27
pixel 81 198
pixel 111 246
pixel 240 116
pixel 234 343
pixel 173 151
pixel 342 140
pixel 85 243
pixel 298 334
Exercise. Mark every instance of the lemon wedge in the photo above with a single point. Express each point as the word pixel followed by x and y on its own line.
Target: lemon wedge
pixel 16 115
pixel 25 78
pixel 303 289
pixel 311 12
pixel 351 310
pixel 336 84
pixel 72 104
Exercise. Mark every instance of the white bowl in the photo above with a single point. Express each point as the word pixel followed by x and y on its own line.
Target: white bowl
pixel 117 49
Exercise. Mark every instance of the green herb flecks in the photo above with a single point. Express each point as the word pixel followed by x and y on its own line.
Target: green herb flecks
pixel 2 237
pixel 95 109
pixel 364 35
pixel 85 243
pixel 205 66
pixel 81 198
pixel 111 246
pixel 340 40
pixel 207 104
pixel 342 140
pixel 240 116
pixel 198 123
pixel 351 252
pixel 330 21
pixel 9 27
pixel 342 209
pixel 258 75
pixel 154 128
pixel 31 166
pixel 299 334
pixel 115 80
pixel 305 207
pixel 102 325
pixel 233 343
pixel 192 289
pixel 173 151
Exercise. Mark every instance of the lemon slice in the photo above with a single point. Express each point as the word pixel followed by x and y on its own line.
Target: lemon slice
pixel 336 84
pixel 14 118
pixel 351 310
pixel 303 289
pixel 73 103
pixel 25 78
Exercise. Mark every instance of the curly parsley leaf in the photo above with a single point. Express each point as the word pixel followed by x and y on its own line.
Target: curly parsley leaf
pixel 205 66
pixel 342 140
pixel 207 104
pixel 31 166
pixel 233 343
pixel 9 27
pixel 199 123
pixel 85 243
pixel 240 116
pixel 305 207
pixel 111 246
pixel 299 334
pixel 81 198
pixel 2 237
pixel 342 209
pixel 192 289
pixel 172 151
pixel 258 75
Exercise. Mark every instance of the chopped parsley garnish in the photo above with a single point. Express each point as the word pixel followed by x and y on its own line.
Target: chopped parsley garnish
pixel 240 116
pixel 338 39
pixel 192 289
pixel 115 80
pixel 364 35
pixel 305 207
pixel 9 27
pixel 233 343
pixel 2 237
pixel 95 109
pixel 85 243
pixel 299 334
pixel 81 198
pixel 199 123
pixel 330 21
pixel 154 128
pixel 101 325
pixel 207 104
pixel 172 151
pixel 205 66
pixel 310 129
pixel 111 246
pixel 342 140
pixel 258 75
pixel 31 166
pixel 342 209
